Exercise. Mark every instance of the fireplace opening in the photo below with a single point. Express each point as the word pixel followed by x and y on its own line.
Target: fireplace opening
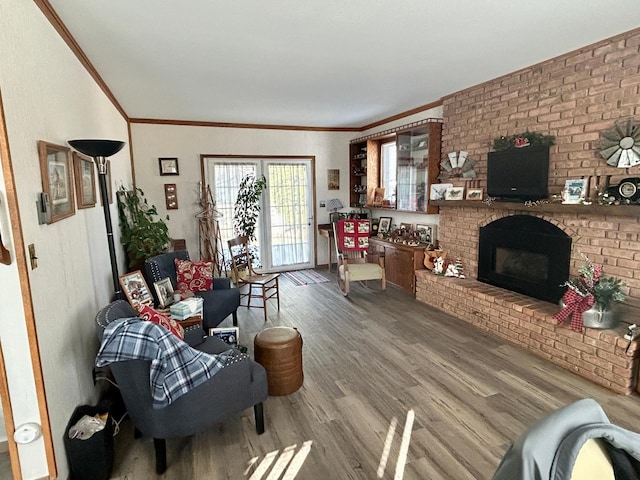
pixel 525 254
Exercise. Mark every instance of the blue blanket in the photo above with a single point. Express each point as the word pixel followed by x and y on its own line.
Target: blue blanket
pixel 175 369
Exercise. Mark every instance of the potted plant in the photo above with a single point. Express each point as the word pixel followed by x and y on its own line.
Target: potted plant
pixel 591 298
pixel 246 211
pixel 142 234
pixel 247 206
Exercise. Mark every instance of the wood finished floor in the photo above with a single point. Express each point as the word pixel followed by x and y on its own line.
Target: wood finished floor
pixel 369 359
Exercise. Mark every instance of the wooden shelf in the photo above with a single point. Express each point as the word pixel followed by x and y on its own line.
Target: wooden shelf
pixel 618 210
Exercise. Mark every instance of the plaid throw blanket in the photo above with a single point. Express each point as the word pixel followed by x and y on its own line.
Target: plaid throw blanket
pixel 175 366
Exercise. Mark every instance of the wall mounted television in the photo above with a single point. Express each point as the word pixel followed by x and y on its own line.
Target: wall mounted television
pixel 521 174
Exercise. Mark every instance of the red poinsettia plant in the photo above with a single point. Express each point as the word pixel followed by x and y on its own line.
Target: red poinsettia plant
pixel 589 289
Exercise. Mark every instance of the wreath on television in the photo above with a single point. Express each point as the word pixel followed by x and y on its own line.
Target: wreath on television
pixel 521 140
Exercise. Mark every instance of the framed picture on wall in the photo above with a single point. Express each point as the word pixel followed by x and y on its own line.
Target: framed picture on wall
pixel 57 179
pixel 168 166
pixel 85 180
pixel 333 179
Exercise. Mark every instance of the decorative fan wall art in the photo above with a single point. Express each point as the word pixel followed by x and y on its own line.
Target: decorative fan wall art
pixel 457 166
pixel 620 145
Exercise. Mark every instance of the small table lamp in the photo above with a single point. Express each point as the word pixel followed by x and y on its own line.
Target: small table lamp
pixel 333 206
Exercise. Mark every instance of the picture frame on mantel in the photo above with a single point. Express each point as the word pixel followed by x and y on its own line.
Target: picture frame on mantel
pixel 168 166
pixel 56 172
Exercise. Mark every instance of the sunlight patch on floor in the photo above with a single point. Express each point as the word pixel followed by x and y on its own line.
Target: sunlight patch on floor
pixel 286 467
pixel 404 446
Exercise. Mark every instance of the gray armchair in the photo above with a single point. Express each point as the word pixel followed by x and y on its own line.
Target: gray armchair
pixel 231 390
pixel 218 303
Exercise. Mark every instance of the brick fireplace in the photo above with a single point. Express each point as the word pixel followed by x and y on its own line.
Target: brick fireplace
pixel 602 356
pixel 573 97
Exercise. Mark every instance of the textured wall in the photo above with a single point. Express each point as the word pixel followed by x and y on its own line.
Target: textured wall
pixel 48 95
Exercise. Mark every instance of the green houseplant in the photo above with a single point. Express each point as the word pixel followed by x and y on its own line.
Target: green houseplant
pixel 143 234
pixel 247 206
pixel 246 211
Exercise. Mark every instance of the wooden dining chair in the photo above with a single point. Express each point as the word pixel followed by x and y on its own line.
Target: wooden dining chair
pixel 243 275
pixel 354 263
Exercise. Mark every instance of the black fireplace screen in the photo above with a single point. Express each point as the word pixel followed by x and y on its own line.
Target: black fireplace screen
pixel 525 254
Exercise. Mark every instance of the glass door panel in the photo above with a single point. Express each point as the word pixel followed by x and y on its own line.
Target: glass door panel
pixel 284 236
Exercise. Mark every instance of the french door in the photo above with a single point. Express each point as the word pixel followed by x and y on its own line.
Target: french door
pixel 284 234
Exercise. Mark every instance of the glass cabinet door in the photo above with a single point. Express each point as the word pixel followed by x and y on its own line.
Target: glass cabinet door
pixel 413 169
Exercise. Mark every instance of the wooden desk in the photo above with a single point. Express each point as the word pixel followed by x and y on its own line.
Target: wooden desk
pixel 326 230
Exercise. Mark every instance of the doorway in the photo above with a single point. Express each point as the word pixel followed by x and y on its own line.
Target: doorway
pixel 286 226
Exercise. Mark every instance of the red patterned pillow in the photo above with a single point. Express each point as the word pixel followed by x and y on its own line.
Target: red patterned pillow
pixel 149 314
pixel 194 276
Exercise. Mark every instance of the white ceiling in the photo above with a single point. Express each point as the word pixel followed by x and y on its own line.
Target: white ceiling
pixel 324 63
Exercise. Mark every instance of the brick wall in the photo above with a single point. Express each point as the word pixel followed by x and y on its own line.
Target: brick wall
pixel 574 97
pixel 601 356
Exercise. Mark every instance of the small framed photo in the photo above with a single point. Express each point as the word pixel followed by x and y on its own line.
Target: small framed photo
pixel 57 179
pixel 136 289
pixel 475 194
pixel 428 233
pixel 164 292
pixel 454 193
pixel 228 335
pixel 85 179
pixel 438 190
pixel 385 224
pixel 168 166
pixel 333 179
pixel 406 226
pixel 575 190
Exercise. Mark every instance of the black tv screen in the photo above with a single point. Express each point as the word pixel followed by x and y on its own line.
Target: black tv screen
pixel 518 174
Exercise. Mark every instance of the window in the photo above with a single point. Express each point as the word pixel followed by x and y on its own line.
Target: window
pixel 388 172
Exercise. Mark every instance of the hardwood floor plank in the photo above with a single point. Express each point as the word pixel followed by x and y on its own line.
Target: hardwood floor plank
pixel 368 359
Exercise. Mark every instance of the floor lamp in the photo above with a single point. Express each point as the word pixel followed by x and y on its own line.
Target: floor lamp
pixel 99 150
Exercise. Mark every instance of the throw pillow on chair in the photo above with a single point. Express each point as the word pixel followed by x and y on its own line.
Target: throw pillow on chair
pixel 194 276
pixel 149 314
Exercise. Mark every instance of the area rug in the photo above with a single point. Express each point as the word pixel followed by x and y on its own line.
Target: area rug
pixel 305 277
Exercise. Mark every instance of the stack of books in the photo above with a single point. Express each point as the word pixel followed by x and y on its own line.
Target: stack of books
pixel 190 307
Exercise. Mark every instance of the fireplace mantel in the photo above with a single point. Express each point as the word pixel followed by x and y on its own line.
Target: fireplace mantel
pixel 593 209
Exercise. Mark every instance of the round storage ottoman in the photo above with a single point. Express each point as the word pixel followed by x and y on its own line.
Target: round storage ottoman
pixel 279 351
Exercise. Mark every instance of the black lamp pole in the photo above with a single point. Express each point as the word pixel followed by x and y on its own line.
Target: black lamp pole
pixel 99 150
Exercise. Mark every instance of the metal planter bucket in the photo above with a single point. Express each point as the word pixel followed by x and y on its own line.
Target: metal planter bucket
pixel 603 319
